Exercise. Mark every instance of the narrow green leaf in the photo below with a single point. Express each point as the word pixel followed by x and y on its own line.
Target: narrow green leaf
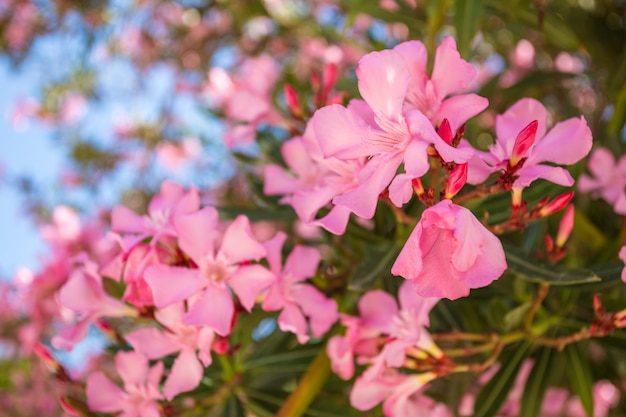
pixel 496 391
pixel 536 385
pixel 515 317
pixel 377 261
pixel 466 18
pixel 537 270
pixel 233 407
pixel 579 376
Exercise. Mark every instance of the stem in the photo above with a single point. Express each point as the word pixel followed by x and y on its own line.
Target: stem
pixel 308 387
pixel 478 192
pixel 541 295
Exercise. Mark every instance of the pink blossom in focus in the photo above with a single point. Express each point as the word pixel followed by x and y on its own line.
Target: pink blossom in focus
pixel 296 299
pixel 449 252
pixel 608 180
pixel 141 388
pixel 565 144
pixel 223 264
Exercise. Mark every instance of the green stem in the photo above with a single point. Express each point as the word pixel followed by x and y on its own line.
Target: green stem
pixel 308 387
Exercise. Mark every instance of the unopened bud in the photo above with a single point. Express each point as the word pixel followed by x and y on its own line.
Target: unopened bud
pixel 417 186
pixel 46 357
pixel 525 139
pixel 292 100
pixel 598 308
pixel 330 77
pixel 456 181
pixel 516 199
pixel 565 227
pixel 558 203
pixel 445 132
pixel 549 243
pixel 220 345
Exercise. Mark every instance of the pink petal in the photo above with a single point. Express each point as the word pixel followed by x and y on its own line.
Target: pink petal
pixel 167 198
pixel 297 157
pixel 171 284
pixel 292 320
pixel 415 55
pixel 214 309
pixel 238 243
pixel 516 118
pixel 401 189
pixel 340 132
pixel 274 252
pixel 103 395
pixel 418 305
pixel 383 81
pixel 124 219
pixel 185 375
pixel 204 343
pixel 451 74
pixel 302 262
pixel 416 158
pixel 197 232
pixel 248 281
pixel 322 311
pixel 335 221
pixel 377 309
pixel 152 342
pixel 132 367
pixel 366 394
pixel 557 175
pixel 70 335
pixel 566 143
pixel 459 109
pixel 306 203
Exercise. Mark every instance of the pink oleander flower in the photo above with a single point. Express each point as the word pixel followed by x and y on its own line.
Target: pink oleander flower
pixel 166 206
pixel 83 294
pixel 223 264
pixel 187 370
pixel 608 181
pixel 383 128
pixel 622 256
pixel 296 299
pixel 449 252
pixel 141 388
pixel 314 181
pixel 522 147
pixel 399 393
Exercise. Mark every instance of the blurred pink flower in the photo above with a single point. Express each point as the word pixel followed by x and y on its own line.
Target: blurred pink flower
pixel 608 180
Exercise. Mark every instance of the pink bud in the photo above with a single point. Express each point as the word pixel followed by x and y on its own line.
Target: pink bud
pixel 525 139
pixel 292 100
pixel 46 357
pixel 445 132
pixel 598 308
pixel 549 243
pixel 556 204
pixel 330 77
pixel 456 181
pixel 565 227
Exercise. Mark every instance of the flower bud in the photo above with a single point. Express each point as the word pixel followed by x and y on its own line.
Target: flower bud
pixel 417 186
pixel 68 408
pixel 445 132
pixel 456 181
pixel 565 227
pixel 46 357
pixel 525 139
pixel 557 204
pixel 292 100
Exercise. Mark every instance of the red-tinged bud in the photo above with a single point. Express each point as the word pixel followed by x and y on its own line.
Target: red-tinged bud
pixel 330 77
pixel 337 98
pixel 565 227
pixel 516 199
pixel 549 243
pixel 220 345
pixel 619 319
pixel 46 357
pixel 68 407
pixel 315 81
pixel 525 139
pixel 292 100
pixel 598 308
pixel 445 132
pixel 418 187
pixel 558 203
pixel 456 181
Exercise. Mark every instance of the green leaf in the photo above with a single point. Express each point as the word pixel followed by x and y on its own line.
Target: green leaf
pixel 515 317
pixel 536 385
pixel 377 261
pixel 579 376
pixel 536 270
pixel 233 407
pixel 496 391
pixel 466 18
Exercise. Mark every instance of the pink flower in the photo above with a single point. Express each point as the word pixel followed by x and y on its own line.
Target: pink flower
pixel 170 203
pixel 187 370
pixel 297 300
pixel 380 129
pixel 610 179
pixel 522 147
pixel 141 388
pixel 449 252
pixel 223 265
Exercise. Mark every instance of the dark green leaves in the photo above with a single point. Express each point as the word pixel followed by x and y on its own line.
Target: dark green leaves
pixel 466 18
pixel 496 391
pixel 579 376
pixel 536 270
